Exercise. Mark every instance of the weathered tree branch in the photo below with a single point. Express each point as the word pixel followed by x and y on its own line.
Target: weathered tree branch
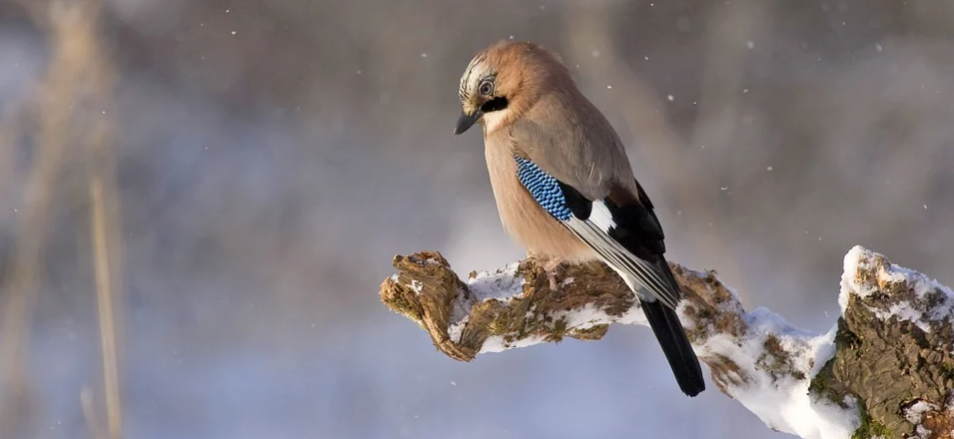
pixel 885 369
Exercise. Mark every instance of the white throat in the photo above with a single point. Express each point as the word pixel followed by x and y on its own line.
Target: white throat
pixel 494 119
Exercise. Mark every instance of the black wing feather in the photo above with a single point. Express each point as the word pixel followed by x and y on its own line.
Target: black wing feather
pixel 638 231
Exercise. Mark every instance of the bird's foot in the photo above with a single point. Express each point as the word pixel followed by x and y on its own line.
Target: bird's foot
pixel 550 264
pixel 550 267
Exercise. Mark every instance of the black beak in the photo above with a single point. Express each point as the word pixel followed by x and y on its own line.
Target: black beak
pixel 466 121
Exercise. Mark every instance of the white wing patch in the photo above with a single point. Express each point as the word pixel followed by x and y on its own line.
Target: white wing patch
pixel 601 217
pixel 641 276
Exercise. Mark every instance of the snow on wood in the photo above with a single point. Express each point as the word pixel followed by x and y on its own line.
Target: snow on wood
pixel 886 357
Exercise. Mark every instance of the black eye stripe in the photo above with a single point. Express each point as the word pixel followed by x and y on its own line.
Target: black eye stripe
pixel 495 104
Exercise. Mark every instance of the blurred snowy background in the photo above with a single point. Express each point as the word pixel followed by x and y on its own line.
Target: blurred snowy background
pixel 272 156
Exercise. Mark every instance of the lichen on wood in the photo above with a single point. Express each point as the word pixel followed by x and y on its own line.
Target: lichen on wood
pixel 890 349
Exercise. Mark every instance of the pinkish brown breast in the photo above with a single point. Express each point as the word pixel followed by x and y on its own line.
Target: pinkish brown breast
pixel 526 222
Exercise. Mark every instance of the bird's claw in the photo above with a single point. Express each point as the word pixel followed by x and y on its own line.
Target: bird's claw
pixel 550 267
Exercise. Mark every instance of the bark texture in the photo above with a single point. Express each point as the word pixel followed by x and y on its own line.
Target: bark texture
pixel 883 363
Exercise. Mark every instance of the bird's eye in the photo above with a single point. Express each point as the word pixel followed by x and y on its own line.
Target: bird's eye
pixel 486 89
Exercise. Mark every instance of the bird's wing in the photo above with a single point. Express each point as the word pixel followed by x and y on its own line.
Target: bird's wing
pixel 622 229
pixel 573 142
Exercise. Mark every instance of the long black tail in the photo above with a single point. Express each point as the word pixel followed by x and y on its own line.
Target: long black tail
pixel 672 338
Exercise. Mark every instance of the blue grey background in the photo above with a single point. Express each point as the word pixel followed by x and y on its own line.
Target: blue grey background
pixel 274 156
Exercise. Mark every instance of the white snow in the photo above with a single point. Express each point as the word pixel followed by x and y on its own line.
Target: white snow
pixel 590 316
pixel 456 330
pixel 777 392
pixel 782 401
pixel 855 261
pixel 576 319
pixel 496 343
pixel 915 414
pixel 502 285
pixel 904 311
pixel 861 260
pixel 785 404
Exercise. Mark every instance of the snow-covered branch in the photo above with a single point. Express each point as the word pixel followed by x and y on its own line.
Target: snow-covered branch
pixel 885 369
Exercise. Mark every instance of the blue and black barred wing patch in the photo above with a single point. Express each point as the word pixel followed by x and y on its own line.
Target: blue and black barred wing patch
pixel 594 223
pixel 544 188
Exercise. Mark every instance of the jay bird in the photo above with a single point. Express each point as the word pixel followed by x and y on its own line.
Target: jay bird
pixel 564 187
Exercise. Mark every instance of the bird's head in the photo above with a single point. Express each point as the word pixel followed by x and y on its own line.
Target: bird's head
pixel 504 80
